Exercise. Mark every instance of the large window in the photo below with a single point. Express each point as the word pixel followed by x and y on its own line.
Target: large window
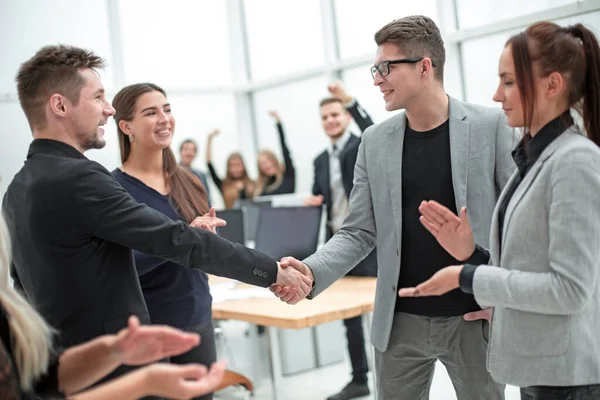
pixel 26 26
pixel 182 44
pixel 283 36
pixel 357 22
pixel 475 13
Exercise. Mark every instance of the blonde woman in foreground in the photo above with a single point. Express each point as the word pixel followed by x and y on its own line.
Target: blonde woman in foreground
pixel 29 368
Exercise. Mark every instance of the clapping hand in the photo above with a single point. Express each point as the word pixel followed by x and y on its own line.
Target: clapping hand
pixel 209 221
pixel 141 344
pixel 454 234
pixel 442 282
pixel 182 381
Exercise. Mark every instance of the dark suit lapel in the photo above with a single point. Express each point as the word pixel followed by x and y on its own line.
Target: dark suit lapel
pixel 325 179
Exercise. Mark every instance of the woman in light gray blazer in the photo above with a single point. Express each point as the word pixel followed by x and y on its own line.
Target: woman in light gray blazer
pixel 543 282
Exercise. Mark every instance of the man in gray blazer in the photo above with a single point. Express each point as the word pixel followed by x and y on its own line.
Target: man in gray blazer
pixel 438 148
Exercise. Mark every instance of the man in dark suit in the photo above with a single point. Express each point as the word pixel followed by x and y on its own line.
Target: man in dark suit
pixel 73 226
pixel 334 174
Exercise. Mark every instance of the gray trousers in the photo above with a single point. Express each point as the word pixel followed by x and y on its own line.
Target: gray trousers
pixel 405 369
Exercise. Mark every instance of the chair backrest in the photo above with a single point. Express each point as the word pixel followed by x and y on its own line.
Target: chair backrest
pixel 251 211
pixel 288 231
pixel 234 230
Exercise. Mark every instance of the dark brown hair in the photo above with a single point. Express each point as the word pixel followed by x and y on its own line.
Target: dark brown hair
pixel 416 36
pixel 574 53
pixel 53 69
pixel 187 193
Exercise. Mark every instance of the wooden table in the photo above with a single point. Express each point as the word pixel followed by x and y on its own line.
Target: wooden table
pixel 346 298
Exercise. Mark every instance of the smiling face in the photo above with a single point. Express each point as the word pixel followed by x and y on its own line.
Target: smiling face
pixel 335 119
pixel 267 165
pixel 91 112
pixel 235 167
pixel 153 124
pixel 188 153
pixel 403 83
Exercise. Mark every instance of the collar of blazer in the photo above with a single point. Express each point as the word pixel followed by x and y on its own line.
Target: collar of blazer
pixel 522 189
pixel 459 155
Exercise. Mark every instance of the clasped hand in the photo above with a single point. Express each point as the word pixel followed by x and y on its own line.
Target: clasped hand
pixel 293 284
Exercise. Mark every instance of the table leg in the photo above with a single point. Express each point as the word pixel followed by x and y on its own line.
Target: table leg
pixel 274 349
pixel 368 320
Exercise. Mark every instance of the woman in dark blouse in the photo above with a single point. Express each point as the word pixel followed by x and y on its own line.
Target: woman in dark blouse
pixel 274 178
pixel 31 369
pixel 175 295
pixel 237 184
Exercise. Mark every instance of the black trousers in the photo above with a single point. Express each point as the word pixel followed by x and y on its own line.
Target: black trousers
pixel 205 353
pixel 354 327
pixel 586 392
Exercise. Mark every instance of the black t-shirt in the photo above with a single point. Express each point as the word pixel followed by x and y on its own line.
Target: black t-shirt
pixel 427 175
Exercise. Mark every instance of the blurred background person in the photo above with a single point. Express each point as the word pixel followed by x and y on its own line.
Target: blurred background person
pixel 237 184
pixel 333 182
pixel 187 154
pixel 274 178
pixel 175 295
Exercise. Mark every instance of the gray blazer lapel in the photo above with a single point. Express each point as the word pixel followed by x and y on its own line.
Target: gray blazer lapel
pixel 527 181
pixel 394 147
pixel 459 151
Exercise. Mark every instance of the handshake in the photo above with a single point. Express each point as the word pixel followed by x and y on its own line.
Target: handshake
pixel 294 280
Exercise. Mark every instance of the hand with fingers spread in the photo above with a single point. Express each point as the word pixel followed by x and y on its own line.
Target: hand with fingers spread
pixel 290 293
pixel 141 344
pixel 209 221
pixel 454 234
pixel 442 282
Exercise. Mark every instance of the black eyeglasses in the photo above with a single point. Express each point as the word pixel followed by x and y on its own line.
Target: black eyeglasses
pixel 384 67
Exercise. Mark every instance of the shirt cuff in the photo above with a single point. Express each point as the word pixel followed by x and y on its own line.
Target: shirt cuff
pixel 480 256
pixel 349 104
pixel 465 279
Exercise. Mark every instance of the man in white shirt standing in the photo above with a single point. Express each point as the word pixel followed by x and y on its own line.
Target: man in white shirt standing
pixel 334 175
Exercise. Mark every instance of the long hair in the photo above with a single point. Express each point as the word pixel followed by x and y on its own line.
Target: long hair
pixel 230 191
pixel 31 336
pixel 262 185
pixel 575 54
pixel 187 194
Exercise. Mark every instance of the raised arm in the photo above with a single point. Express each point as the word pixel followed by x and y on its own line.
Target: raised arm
pixel 218 181
pixel 287 159
pixel 362 119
